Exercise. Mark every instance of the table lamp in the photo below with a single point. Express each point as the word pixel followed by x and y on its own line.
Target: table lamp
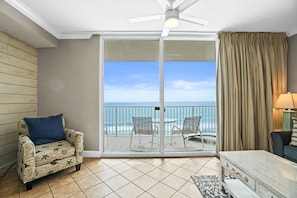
pixel 288 102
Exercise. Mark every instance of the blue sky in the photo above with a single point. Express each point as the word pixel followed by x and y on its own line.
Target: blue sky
pixel 139 81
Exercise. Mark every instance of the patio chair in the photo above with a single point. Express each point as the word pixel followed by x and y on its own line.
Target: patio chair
pixel 142 126
pixel 189 129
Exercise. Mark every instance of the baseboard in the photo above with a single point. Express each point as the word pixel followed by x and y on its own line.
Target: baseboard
pixel 92 154
pixel 7 167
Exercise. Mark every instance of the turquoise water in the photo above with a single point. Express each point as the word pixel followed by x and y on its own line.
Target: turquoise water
pixel 118 116
pixel 204 103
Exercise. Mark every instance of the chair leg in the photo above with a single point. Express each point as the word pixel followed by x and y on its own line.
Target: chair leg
pixel 29 185
pixel 131 140
pixel 202 140
pixel 77 167
pixel 152 142
pixel 184 139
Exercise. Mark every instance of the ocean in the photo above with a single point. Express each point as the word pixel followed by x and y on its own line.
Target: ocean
pixel 118 116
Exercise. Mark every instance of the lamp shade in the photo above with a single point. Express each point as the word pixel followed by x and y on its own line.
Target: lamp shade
pixel 286 101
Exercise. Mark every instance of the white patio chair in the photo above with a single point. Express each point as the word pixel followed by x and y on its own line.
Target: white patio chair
pixel 143 127
pixel 189 129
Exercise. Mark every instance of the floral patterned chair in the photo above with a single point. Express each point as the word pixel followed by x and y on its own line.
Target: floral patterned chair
pixel 36 161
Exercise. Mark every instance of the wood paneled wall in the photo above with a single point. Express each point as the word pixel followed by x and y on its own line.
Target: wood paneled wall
pixel 18 92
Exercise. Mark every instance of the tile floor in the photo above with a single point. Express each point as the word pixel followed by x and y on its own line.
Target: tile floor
pixel 112 178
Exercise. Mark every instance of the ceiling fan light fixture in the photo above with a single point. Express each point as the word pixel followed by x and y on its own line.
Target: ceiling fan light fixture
pixel 172 22
pixel 172 18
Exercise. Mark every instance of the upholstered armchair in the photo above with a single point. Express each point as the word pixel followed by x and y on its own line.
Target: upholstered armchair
pixel 36 160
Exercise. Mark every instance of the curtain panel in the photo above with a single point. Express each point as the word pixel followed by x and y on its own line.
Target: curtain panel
pixel 251 74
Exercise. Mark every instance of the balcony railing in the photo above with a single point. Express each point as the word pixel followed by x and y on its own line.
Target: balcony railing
pixel 118 119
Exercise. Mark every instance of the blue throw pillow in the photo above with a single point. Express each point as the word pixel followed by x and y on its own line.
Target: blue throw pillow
pixel 46 130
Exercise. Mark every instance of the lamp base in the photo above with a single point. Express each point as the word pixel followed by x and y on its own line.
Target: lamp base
pixel 287 119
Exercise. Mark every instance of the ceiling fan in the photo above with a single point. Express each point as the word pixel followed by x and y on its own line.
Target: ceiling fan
pixel 173 15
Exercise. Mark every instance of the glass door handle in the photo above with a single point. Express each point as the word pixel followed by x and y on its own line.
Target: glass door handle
pixel 158 109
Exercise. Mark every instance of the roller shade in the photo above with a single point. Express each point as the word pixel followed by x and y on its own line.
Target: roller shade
pixel 148 50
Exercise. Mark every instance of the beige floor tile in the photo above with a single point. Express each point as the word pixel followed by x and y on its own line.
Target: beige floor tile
pixel 154 161
pixel 106 174
pixel 168 167
pixel 88 182
pixel 213 165
pixel 178 161
pixel 145 168
pixel 79 195
pixel 190 190
pixel 10 176
pixel 134 162
pixel 215 159
pixel 112 162
pixel 66 191
pixel 146 195
pixel 11 195
pixel 46 195
pixel 184 173
pixel 199 160
pixel 194 167
pixel 96 167
pixel 59 180
pixel 174 182
pixel 145 182
pixel 83 172
pixel 160 190
pixel 117 182
pixel 207 171
pixel 100 190
pixel 132 174
pixel 158 174
pixel 9 187
pixel 130 191
pixel 39 187
pixel 180 195
pixel 120 168
pixel 112 195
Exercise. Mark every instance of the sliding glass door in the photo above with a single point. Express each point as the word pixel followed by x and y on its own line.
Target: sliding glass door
pixel 189 95
pixel 151 87
pixel 131 96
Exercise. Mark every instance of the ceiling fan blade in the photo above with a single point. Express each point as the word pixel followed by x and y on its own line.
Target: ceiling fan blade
pixel 146 18
pixel 165 31
pixel 177 3
pixel 186 4
pixel 193 19
pixel 164 4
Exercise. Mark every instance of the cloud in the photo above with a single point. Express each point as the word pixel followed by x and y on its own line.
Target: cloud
pixel 179 90
pixel 143 86
pixel 187 85
pixel 137 76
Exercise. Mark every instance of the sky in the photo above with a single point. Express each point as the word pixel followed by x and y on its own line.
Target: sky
pixel 139 81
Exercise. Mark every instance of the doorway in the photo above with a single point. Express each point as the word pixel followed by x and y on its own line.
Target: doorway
pixel 165 82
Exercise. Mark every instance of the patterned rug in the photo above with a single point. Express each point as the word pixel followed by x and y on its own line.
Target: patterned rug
pixel 210 186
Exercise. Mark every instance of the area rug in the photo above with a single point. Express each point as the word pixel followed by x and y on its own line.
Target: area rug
pixel 210 186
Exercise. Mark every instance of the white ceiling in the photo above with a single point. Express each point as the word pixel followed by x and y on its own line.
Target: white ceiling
pixel 82 18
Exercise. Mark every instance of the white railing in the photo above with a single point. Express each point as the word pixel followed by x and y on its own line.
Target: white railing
pixel 118 119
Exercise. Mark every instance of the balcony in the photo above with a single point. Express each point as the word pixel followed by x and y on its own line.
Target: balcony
pixel 118 126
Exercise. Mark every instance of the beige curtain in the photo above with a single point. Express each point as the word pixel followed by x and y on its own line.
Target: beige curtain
pixel 251 73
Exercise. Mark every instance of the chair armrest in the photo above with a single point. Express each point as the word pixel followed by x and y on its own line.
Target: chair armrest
pixel 175 130
pixel 26 158
pixel 279 140
pixel 76 138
